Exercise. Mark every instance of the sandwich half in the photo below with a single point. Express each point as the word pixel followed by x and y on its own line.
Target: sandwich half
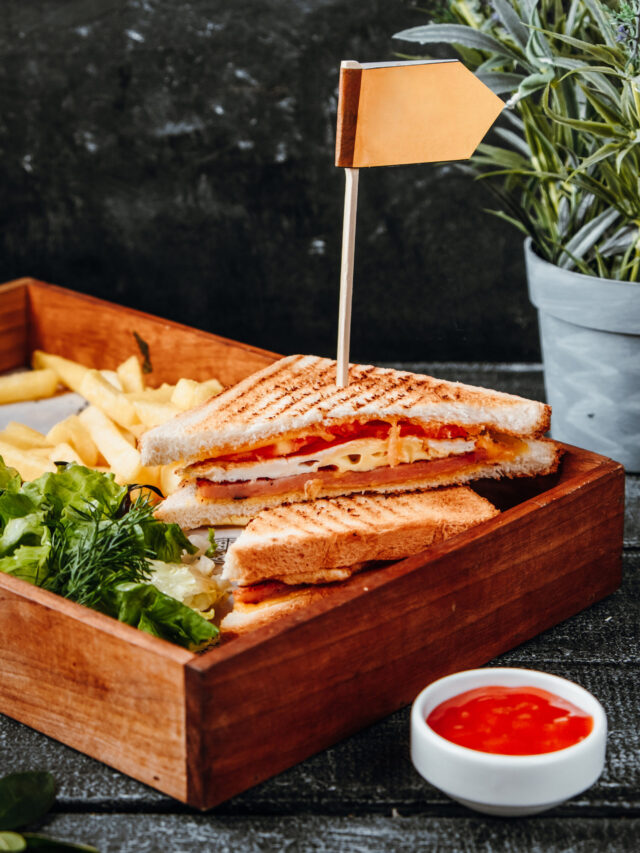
pixel 289 434
pixel 293 555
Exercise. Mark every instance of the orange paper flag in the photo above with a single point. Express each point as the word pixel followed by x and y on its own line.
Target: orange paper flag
pixel 391 113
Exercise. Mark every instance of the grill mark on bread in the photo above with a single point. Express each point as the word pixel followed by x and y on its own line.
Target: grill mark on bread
pixel 298 393
pixel 284 546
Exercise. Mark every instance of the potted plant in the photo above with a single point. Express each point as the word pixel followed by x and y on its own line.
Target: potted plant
pixel 565 168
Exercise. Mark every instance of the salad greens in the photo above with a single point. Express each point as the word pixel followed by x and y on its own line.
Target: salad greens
pixel 77 533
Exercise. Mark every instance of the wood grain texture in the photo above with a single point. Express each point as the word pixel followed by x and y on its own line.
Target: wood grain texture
pixel 13 324
pixel 347 120
pixel 294 687
pixel 93 683
pixel 101 334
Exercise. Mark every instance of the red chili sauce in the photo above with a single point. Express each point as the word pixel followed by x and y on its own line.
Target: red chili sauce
pixel 510 721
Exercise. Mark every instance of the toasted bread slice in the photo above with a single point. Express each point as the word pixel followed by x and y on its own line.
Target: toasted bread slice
pixel 190 510
pixel 326 540
pixel 248 617
pixel 297 395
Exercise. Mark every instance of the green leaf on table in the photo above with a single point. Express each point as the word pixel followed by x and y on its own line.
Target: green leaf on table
pixel 25 798
pixel 43 842
pixel 12 841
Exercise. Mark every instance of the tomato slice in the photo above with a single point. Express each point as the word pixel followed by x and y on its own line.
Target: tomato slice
pixel 343 433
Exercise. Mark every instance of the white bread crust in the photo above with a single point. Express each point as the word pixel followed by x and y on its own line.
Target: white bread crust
pixel 299 392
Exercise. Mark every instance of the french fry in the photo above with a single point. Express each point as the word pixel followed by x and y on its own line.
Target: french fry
pixel 70 373
pixel 162 394
pixel 63 452
pixel 29 385
pixel 189 393
pixel 130 374
pixel 169 478
pixel 23 436
pixel 136 430
pixel 184 393
pixel 40 452
pixel 28 464
pixel 206 390
pixel 100 393
pixel 151 414
pixel 129 436
pixel 112 378
pixel 121 456
pixel 73 431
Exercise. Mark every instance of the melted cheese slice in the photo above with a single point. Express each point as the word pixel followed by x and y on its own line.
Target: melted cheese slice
pixel 363 454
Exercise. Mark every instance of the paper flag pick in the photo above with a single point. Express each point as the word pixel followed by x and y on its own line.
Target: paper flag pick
pixel 391 113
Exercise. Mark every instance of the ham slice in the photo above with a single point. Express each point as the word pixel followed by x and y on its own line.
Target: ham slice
pixel 349 479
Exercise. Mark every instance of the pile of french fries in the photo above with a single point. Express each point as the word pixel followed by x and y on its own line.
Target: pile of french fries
pixel 105 433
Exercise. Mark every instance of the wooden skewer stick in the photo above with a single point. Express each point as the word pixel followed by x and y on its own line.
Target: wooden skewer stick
pixel 346 275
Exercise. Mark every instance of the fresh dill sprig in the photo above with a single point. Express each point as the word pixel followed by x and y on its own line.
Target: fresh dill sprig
pixel 91 553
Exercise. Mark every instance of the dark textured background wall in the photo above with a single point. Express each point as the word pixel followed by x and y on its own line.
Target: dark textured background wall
pixel 178 157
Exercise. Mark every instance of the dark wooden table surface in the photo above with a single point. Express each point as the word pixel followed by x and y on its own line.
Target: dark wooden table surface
pixel 363 794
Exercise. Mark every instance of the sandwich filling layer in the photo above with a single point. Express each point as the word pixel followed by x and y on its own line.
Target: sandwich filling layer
pixel 358 463
pixel 313 484
pixel 353 448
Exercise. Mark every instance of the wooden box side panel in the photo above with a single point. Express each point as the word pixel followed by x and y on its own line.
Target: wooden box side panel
pixel 109 693
pixel 14 323
pixel 101 334
pixel 294 689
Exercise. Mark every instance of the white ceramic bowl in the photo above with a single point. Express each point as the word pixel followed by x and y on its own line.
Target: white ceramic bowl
pixel 506 785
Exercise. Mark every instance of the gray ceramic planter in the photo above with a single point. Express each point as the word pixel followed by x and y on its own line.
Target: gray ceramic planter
pixel 590 335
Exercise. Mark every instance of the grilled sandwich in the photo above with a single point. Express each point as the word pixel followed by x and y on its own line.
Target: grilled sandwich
pixel 291 556
pixel 288 433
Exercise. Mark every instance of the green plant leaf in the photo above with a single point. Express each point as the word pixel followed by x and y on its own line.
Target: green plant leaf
pixel 533 83
pixel 499 82
pixel 600 16
pixel 511 21
pixel 587 237
pixel 43 842
pixel 458 34
pixel 12 841
pixel 25 798
pixel 510 219
pixel 607 150
pixel 514 139
pixel 604 54
pixel 502 156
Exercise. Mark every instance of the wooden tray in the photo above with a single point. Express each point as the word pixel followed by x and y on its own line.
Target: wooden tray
pixel 205 727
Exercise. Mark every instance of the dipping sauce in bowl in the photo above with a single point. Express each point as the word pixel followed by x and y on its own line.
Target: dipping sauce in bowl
pixel 510 720
pixel 508 741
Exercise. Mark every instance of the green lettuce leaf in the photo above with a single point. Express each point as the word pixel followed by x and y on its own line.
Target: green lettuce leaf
pixel 76 533
pixel 9 478
pixel 166 541
pixel 29 563
pixel 150 610
pixel 28 530
pixel 74 487
pixel 15 505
